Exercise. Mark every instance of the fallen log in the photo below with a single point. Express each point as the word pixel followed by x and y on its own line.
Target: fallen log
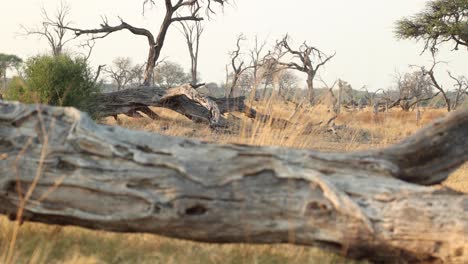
pixel 372 204
pixel 184 99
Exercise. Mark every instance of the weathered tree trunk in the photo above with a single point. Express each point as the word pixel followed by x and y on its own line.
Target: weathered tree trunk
pixel 370 204
pixel 155 50
pixel 310 88
pixel 148 75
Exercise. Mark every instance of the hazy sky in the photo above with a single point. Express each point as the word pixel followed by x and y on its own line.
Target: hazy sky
pixel 360 31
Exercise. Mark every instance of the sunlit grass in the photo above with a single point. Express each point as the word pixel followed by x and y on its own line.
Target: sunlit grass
pixel 39 243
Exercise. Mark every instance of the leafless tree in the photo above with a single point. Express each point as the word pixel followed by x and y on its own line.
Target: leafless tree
pixel 53 28
pixel 461 89
pixel 88 46
pixel 271 68
pixel 287 81
pixel 368 98
pixel 335 100
pixel 434 81
pixel 123 73
pixel 244 82
pixel 257 61
pixel 238 65
pixel 380 100
pixel 100 69
pixel 346 95
pixel 192 33
pixel 138 73
pixel 180 11
pixel 306 59
pixel 412 89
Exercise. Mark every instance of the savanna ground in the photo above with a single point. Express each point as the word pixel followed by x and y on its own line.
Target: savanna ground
pixel 39 243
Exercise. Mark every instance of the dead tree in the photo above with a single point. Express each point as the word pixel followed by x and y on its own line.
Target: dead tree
pixel 192 33
pixel 309 61
pixel 335 101
pixel 461 89
pixel 53 28
pixel 124 74
pixel 345 96
pixel 182 10
pixel 257 62
pixel 98 73
pixel 119 72
pixel 287 84
pixel 412 89
pixel 384 205
pixel 238 65
pixel 370 97
pixel 435 83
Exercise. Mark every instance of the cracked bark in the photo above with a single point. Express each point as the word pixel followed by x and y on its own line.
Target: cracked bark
pixel 372 204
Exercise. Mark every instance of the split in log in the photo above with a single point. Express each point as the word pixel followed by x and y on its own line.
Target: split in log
pixel 372 204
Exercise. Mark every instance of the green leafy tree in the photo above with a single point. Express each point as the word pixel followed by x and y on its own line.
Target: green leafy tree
pixel 7 62
pixel 55 80
pixel 441 21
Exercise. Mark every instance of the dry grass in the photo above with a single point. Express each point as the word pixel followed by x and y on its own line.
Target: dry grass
pixel 45 244
pixel 38 243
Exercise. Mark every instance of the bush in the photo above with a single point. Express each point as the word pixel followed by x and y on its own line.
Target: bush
pixel 17 91
pixel 60 80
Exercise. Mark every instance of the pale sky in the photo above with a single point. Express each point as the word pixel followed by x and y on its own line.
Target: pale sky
pixel 360 31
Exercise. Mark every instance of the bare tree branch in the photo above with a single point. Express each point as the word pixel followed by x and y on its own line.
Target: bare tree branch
pixel 187 10
pixel 53 28
pixel 310 58
pixel 461 89
pixel 237 64
pixel 192 33
pixel 435 83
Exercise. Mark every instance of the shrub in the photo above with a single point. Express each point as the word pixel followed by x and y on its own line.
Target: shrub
pixel 59 80
pixel 17 91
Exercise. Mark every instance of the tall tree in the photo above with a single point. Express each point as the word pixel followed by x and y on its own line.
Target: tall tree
pixel 7 61
pixel 441 21
pixel 192 33
pixel 176 11
pixel 306 59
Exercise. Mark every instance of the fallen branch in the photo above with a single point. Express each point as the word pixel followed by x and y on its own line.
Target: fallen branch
pixel 364 205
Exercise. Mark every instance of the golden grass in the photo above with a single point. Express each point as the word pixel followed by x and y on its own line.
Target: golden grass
pixel 37 243
pixel 47 244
